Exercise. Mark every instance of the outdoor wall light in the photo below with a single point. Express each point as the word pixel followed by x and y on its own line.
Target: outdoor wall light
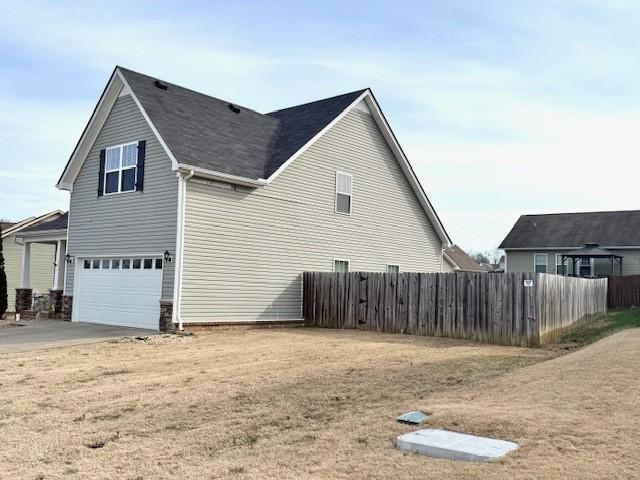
pixel 68 258
pixel 167 256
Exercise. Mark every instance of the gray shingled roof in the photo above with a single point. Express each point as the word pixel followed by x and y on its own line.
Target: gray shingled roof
pixel 571 230
pixel 204 132
pixel 59 223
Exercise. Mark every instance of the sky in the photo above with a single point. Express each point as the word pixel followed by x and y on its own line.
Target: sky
pixel 503 108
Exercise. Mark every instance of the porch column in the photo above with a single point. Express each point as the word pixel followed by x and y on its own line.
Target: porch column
pixel 26 265
pixel 60 268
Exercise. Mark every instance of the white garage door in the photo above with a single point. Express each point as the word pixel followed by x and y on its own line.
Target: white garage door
pixel 119 291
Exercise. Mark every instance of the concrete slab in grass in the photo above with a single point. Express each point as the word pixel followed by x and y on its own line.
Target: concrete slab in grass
pixel 454 446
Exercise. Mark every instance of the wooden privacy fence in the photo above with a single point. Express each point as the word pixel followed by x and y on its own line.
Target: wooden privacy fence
pixel 624 291
pixel 524 309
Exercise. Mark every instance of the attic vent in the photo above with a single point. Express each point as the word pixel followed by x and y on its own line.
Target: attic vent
pixel 160 85
pixel 233 108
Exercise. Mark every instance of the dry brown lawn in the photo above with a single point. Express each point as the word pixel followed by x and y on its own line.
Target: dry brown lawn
pixel 303 403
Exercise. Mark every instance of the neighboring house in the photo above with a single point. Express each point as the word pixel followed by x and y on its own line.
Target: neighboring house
pixel 42 258
pixel 537 243
pixel 457 260
pixel 212 211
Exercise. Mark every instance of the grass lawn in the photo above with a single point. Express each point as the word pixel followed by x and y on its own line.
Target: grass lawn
pixel 615 321
pixel 308 403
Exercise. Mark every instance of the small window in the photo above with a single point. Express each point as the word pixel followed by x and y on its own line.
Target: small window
pixel 87 264
pixel 136 263
pixel 393 268
pixel 585 267
pixel 158 264
pixel 115 263
pixel 106 264
pixel 540 262
pixel 148 263
pixel 96 264
pixel 340 265
pixel 120 168
pixel 561 269
pixel 344 184
pixel 126 264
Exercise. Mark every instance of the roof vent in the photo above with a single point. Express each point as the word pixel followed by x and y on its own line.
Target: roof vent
pixel 233 108
pixel 160 85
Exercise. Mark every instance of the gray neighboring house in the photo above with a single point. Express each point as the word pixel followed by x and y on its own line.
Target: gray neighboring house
pixel 187 209
pixel 537 243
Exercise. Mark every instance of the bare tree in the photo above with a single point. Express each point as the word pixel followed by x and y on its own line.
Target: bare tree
pixel 491 256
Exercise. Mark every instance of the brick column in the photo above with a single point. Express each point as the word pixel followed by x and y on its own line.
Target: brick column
pixel 66 307
pixel 55 300
pixel 24 299
pixel 166 312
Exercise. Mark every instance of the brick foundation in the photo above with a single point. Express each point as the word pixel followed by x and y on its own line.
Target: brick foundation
pixel 55 302
pixel 24 299
pixel 166 313
pixel 66 307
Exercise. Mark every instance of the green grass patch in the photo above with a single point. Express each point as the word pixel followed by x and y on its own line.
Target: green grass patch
pixel 615 321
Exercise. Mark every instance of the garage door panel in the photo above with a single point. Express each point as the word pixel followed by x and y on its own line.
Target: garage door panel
pixel 116 296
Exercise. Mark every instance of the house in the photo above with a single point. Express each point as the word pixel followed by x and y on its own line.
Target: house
pixel 187 209
pixel 457 260
pixel 586 244
pixel 41 257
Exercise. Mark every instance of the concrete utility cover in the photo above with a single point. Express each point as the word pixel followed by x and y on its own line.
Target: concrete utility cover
pixel 413 418
pixel 454 446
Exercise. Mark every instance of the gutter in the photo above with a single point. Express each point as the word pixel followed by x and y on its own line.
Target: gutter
pixel 222 177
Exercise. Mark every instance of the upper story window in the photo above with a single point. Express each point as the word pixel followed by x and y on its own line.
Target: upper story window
pixel 120 168
pixel 393 268
pixel 344 183
pixel 540 262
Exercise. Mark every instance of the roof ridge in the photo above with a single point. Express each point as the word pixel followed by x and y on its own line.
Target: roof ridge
pixel 578 213
pixel 192 90
pixel 360 91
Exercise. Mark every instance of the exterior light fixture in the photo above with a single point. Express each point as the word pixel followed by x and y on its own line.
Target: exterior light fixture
pixel 68 258
pixel 167 256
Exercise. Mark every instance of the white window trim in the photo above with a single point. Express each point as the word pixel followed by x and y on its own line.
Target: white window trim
pixel 336 259
pixel 546 262
pixel 393 265
pixel 120 169
pixel 335 195
pixel 559 263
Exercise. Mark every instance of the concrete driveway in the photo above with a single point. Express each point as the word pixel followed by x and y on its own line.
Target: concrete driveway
pixel 53 333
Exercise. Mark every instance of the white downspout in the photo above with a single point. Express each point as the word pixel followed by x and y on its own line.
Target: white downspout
pixel 177 284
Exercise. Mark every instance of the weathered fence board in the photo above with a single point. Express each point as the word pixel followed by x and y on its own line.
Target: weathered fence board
pixel 492 308
pixel 624 291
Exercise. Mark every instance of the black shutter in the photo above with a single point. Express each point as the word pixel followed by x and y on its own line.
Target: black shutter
pixel 140 174
pixel 101 173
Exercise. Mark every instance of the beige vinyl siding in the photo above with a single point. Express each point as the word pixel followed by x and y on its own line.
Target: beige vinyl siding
pixel 131 222
pixel 245 249
pixel 41 270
